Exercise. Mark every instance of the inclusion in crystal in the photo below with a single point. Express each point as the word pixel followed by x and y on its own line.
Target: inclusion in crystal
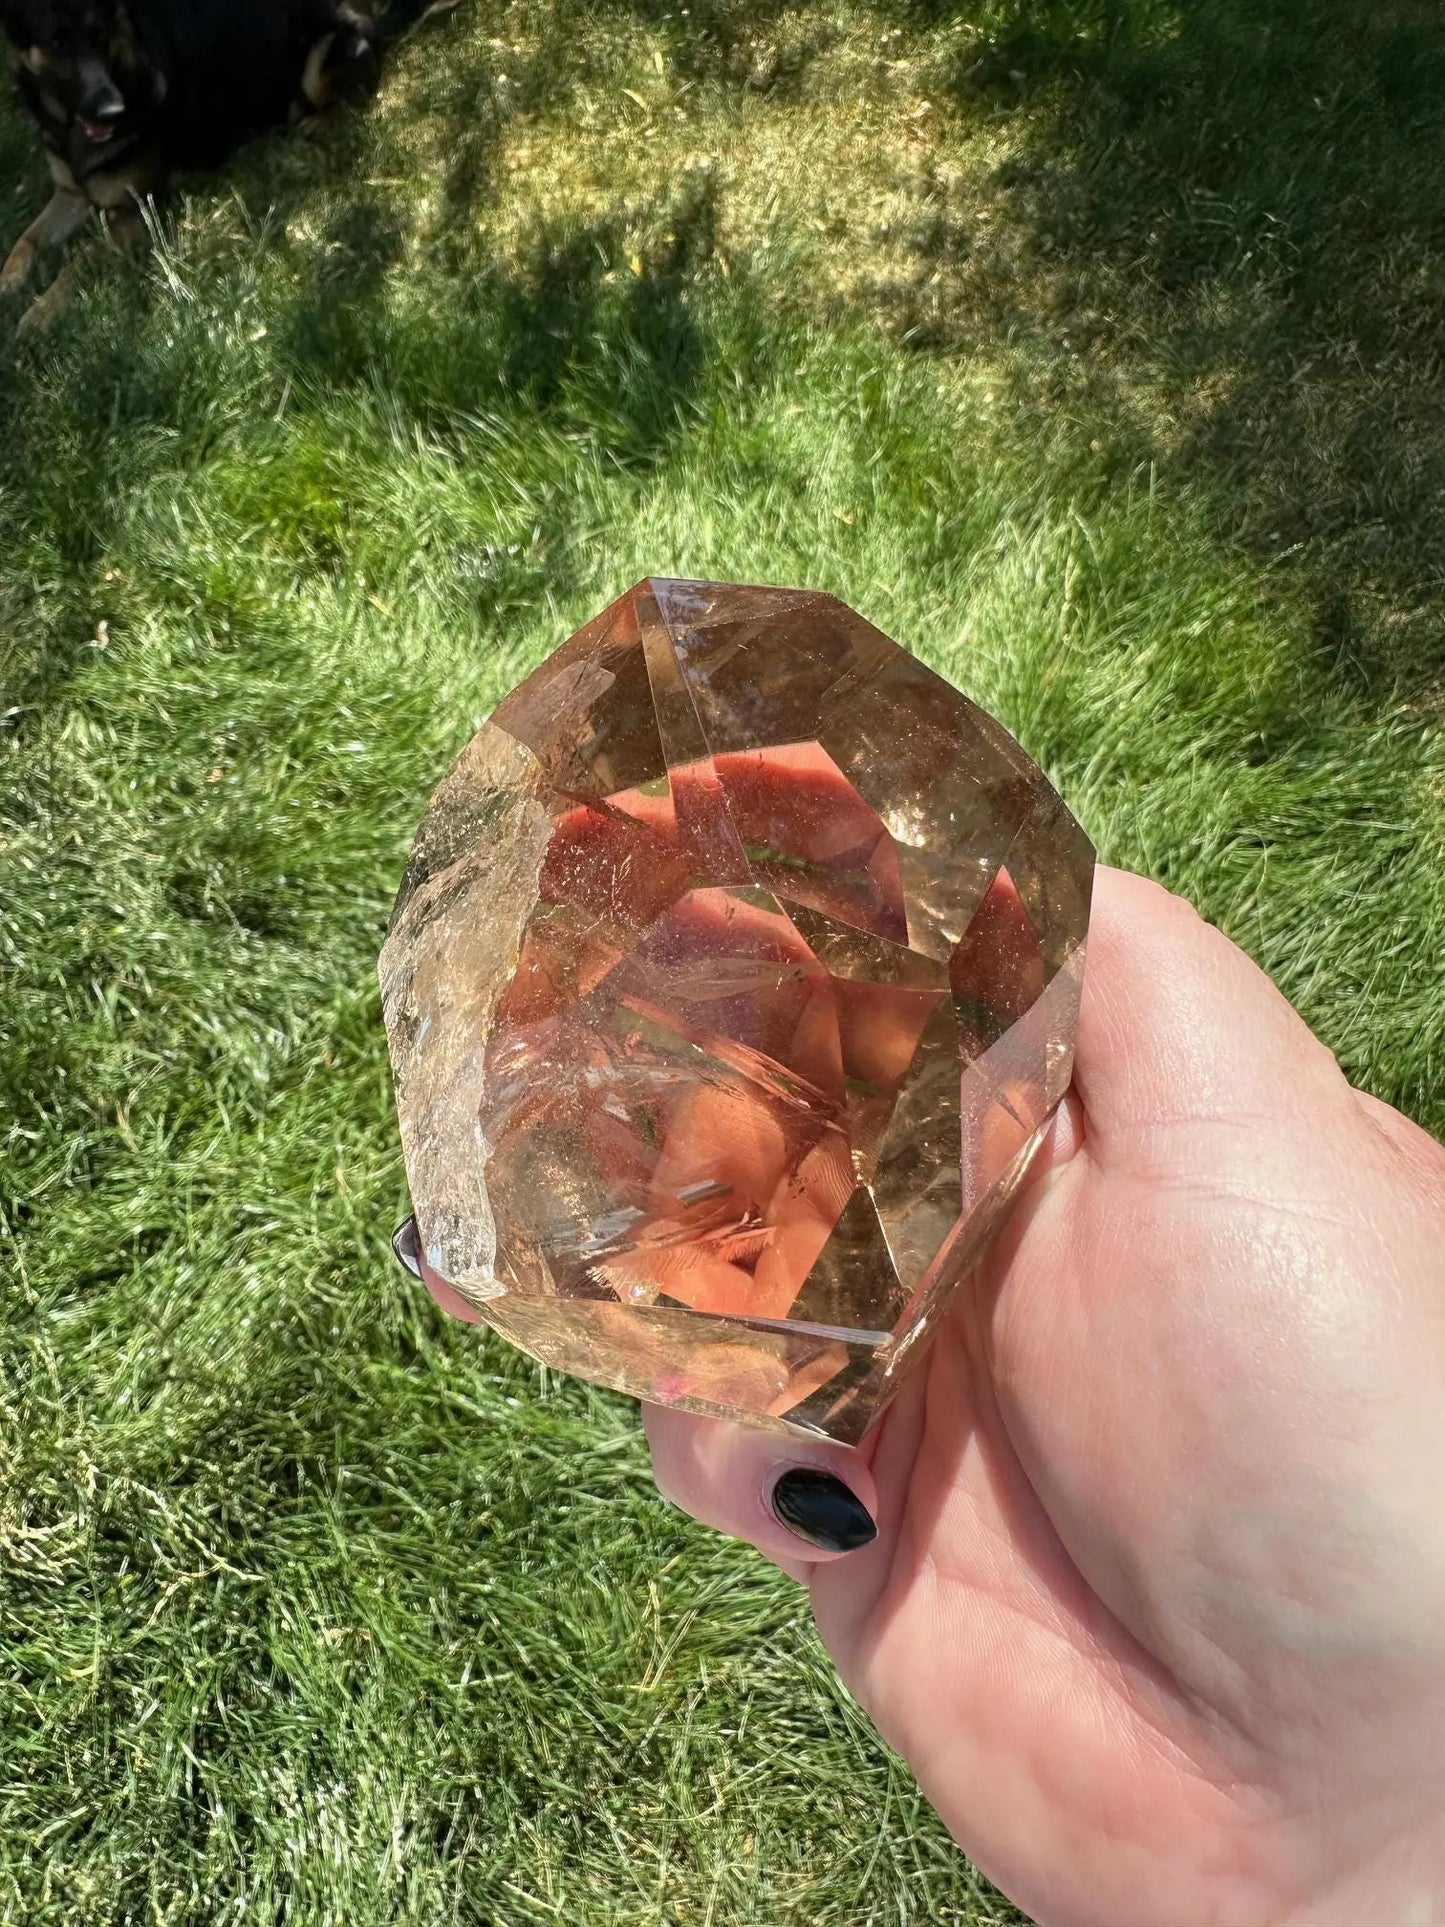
pixel 731 985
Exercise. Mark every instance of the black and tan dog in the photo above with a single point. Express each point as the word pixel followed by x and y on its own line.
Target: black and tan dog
pixel 125 91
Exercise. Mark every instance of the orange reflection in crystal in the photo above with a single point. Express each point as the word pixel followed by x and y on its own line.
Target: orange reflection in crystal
pixel 726 1071
pixel 734 974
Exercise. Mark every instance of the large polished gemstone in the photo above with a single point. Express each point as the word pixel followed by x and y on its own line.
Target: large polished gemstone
pixel 731 985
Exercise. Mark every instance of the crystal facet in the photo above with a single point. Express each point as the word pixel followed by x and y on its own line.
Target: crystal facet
pixel 732 982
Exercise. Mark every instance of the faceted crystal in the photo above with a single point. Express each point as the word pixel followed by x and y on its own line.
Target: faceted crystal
pixel 730 987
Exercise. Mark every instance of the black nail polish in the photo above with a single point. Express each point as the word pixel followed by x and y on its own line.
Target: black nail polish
pixel 821 1509
pixel 403 1243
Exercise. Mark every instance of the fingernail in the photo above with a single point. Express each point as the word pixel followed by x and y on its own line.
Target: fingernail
pixel 820 1508
pixel 403 1243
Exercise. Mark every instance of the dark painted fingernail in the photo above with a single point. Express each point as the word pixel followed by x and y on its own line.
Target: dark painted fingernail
pixel 403 1243
pixel 821 1509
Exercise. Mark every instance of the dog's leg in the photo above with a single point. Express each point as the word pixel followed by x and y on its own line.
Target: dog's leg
pixel 127 226
pixel 343 65
pixel 127 229
pixel 57 221
pixel 46 309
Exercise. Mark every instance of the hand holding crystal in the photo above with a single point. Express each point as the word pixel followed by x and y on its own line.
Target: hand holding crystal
pixel 1156 1607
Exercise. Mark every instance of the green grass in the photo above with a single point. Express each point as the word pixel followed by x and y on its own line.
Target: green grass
pixel 1090 349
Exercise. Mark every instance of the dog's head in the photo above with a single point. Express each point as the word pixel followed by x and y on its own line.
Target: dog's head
pixel 76 56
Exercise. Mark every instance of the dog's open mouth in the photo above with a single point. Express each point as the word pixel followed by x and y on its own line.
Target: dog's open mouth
pixel 96 131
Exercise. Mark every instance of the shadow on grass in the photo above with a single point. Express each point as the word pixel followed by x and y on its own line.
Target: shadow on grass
pixel 1215 240
pixel 586 332
pixel 577 331
pixel 1220 229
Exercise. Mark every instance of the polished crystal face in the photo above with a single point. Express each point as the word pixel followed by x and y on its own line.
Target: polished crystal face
pixel 731 984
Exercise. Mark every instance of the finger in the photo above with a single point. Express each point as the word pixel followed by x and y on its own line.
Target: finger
pixel 452 1301
pixel 1177 1023
pixel 407 1246
pixel 800 1502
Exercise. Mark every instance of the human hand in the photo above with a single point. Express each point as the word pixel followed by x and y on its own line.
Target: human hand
pixel 1156 1606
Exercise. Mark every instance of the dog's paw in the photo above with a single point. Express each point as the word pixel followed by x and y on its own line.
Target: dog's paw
pixel 18 268
pixel 45 310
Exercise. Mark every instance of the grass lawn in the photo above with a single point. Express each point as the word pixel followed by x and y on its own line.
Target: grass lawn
pixel 1092 349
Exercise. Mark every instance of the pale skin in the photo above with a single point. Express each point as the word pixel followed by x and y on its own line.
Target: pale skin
pixel 1156 1609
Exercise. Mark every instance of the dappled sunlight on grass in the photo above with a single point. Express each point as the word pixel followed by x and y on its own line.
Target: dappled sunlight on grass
pixel 1088 350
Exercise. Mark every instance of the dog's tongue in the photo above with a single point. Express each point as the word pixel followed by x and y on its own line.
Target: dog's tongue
pixel 96 130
